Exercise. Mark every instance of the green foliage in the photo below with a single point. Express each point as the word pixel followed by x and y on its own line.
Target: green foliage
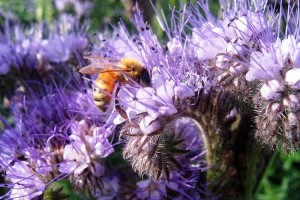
pixel 107 12
pixel 25 12
pixel 282 179
pixel 60 190
pixel 45 10
pixel 165 6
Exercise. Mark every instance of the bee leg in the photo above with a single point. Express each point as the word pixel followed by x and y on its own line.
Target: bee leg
pixel 118 107
pixel 120 110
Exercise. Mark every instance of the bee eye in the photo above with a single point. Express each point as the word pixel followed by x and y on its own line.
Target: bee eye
pixel 145 77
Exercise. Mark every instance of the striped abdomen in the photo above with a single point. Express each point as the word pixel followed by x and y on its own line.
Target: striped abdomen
pixel 104 87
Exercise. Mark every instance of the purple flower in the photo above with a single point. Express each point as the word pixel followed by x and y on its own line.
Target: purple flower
pixel 292 77
pixel 248 24
pixel 28 168
pixel 180 188
pixel 61 52
pixel 272 90
pixel 211 38
pixel 86 150
pixel 208 41
pixel 277 63
pixel 150 190
pixel 111 188
pixel 59 48
pixel 27 184
pixel 186 121
pixel 7 58
pixel 154 102
pixel 175 47
pixel 34 154
pixel 276 66
pixel 263 67
pixel 28 49
pixel 289 49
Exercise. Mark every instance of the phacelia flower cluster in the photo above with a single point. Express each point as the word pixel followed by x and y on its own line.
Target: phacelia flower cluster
pixel 210 79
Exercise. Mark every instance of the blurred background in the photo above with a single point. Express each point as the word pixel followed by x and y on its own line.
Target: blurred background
pixel 282 179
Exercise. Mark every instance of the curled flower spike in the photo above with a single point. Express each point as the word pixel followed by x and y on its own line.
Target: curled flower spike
pixel 162 151
pixel 278 97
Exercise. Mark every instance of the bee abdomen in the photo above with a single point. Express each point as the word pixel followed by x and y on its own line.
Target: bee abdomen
pixel 101 99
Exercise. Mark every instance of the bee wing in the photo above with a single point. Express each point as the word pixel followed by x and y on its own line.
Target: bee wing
pixel 102 64
pixel 115 70
pixel 97 69
pixel 91 69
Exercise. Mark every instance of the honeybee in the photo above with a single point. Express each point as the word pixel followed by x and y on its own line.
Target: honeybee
pixel 112 71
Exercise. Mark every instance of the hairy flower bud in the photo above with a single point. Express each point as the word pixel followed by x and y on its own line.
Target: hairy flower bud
pixel 164 150
pixel 278 123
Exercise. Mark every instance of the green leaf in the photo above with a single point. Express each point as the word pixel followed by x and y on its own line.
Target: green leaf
pixel 60 190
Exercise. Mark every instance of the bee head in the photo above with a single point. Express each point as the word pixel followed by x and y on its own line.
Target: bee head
pixel 137 71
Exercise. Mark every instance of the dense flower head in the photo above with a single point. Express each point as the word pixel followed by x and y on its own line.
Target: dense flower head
pixel 34 154
pixel 244 49
pixel 230 55
pixel 149 111
pixel 83 157
pixel 28 168
pixel 47 99
pixel 78 153
pixel 275 65
pixel 279 92
pixel 40 47
pixel 208 76
pixel 31 167
pixel 47 119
